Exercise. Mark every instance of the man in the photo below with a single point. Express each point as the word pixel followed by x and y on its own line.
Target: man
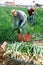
pixel 21 16
pixel 31 14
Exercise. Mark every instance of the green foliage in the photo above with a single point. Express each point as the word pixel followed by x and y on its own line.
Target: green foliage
pixel 25 47
pixel 6 22
pixel 22 47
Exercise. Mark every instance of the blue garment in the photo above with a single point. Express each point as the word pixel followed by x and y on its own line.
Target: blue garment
pixel 31 19
pixel 24 26
pixel 20 22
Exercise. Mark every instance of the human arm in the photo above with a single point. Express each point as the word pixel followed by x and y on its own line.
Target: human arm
pixel 22 16
pixel 15 21
pixel 33 12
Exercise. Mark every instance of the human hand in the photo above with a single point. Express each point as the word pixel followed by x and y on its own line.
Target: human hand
pixel 32 12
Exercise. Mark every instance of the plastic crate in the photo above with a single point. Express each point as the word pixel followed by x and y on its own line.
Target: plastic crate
pixel 24 37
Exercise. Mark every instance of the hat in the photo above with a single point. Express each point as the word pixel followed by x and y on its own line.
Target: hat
pixel 12 11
